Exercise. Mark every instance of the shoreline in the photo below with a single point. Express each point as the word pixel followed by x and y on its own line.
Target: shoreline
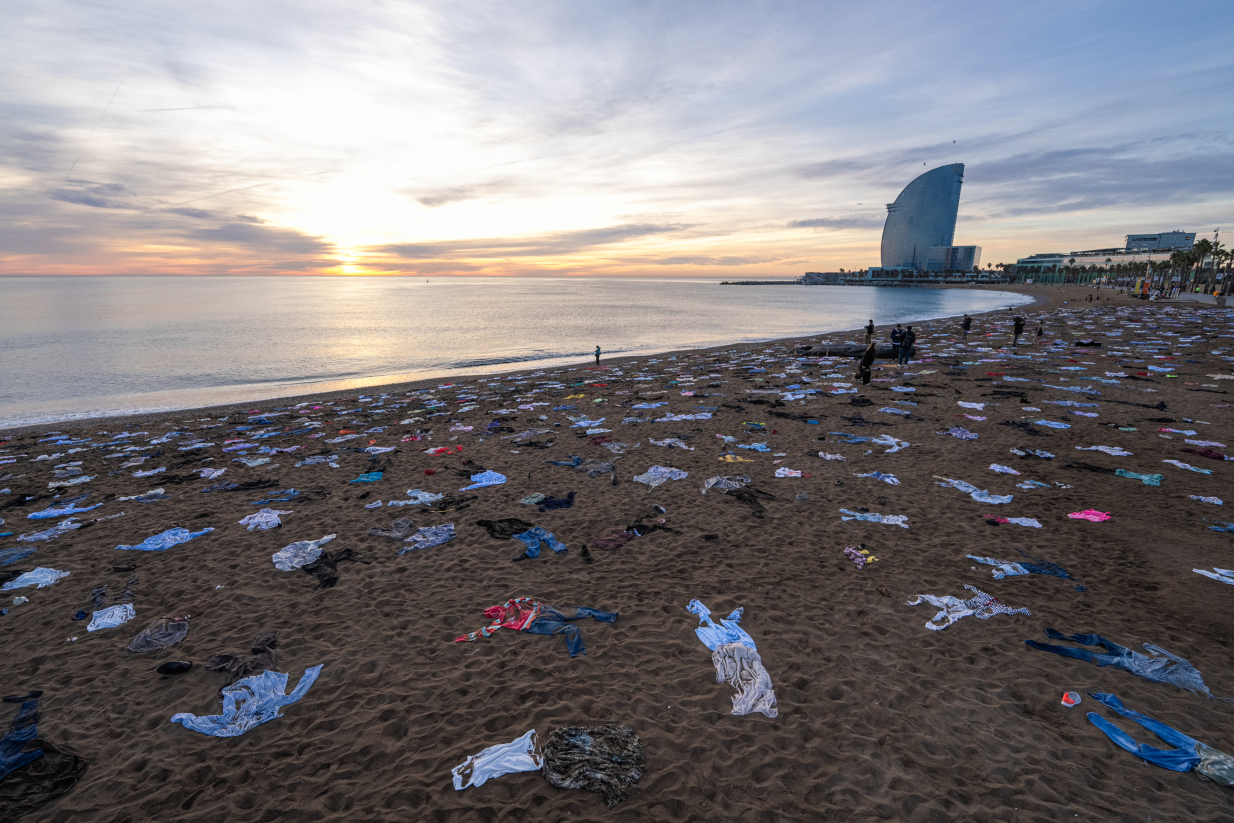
pixel 107 420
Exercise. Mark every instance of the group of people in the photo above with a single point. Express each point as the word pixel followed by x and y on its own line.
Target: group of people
pixel 902 340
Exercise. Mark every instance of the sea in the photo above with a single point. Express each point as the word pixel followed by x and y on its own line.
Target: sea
pixel 73 348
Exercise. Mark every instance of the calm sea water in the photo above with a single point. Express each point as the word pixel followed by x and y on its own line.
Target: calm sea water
pixel 76 347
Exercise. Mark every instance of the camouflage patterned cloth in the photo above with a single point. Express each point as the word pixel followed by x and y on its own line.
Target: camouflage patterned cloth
pixel 607 759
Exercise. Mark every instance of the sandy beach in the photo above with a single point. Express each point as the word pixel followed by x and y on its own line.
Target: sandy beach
pixel 878 716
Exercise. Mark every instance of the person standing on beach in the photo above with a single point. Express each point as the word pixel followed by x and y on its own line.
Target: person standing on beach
pixel 906 345
pixel 870 331
pixel 597 355
pixel 966 326
pixel 867 363
pixel 1041 332
pixel 1017 330
pixel 897 334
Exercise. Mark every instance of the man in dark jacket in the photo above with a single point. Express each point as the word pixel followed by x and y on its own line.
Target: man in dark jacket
pixel 906 345
pixel 869 332
pixel 897 335
pixel 867 363
pixel 1017 330
pixel 966 326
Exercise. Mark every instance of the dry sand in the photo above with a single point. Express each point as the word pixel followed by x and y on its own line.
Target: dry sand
pixel 879 718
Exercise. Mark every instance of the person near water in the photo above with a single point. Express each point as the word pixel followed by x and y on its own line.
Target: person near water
pixel 1017 330
pixel 1040 332
pixel 597 355
pixel 867 363
pixel 906 345
pixel 869 331
pixel 966 326
pixel 897 334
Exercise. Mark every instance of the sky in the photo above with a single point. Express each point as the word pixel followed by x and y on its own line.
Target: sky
pixel 734 139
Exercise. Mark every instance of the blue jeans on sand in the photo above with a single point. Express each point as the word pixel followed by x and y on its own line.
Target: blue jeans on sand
pixel 1161 667
pixel 1183 758
pixel 554 622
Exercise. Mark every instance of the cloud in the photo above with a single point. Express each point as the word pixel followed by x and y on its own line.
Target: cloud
pixel 855 221
pixel 702 261
pixel 545 245
pixel 199 214
pixel 267 238
pixel 452 194
pixel 98 196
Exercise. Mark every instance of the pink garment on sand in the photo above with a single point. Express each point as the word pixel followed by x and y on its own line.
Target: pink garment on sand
pixel 1090 514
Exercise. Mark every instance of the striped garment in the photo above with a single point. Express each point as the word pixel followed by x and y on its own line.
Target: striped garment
pixel 517 614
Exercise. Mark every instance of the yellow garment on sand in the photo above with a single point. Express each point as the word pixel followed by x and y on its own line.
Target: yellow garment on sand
pixel 732 458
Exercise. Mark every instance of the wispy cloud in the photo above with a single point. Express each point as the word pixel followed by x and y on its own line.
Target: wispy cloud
pixel 547 245
pixel 852 221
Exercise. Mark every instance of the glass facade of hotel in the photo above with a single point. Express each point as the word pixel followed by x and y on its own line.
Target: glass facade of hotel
pixel 924 215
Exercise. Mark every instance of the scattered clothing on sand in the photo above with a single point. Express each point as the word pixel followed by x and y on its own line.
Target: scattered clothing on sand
pixel 41 577
pixel 1161 667
pixel 549 504
pixel 672 443
pixel 1220 575
pixel 532 539
pixel 1180 464
pixel 752 497
pixel 415 497
pixel 612 542
pixel 111 617
pixel 1146 479
pixel 859 556
pixel 658 475
pixel 65 526
pixel 10 556
pixel 152 496
pixel 527 615
pixel 294 555
pixel 889 479
pixel 32 769
pixel 960 433
pixel 594 468
pixel 426 537
pixel 736 660
pixel 1189 754
pixel 166 540
pixel 450 503
pixel 367 477
pixel 980 495
pixel 484 479
pixel 1091 515
pixel 1114 451
pixel 263 655
pixel 1011 568
pixel 325 567
pixel 900 520
pixel 980 605
pixel 264 519
pixel 64 507
pixel 159 635
pixel 505 528
pixel 398 530
pixel 520 755
pixel 725 483
pixel 606 759
pixel 250 702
